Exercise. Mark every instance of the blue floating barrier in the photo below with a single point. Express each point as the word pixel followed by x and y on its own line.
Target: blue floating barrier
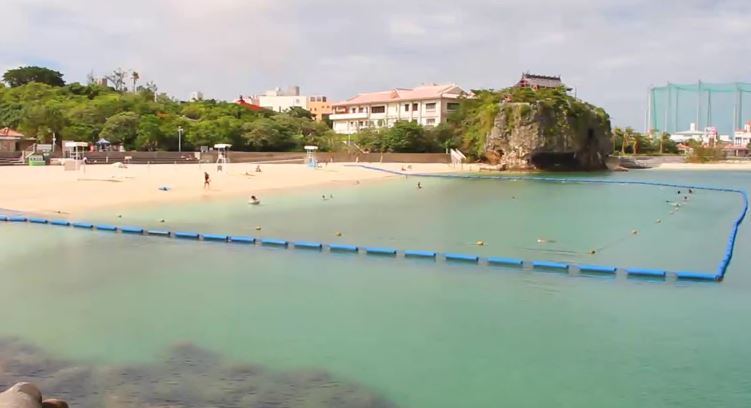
pixel 83 225
pixel 494 260
pixel 163 233
pixel 342 248
pixel 106 227
pixel 187 235
pixel 131 230
pixel 596 269
pixel 419 254
pixel 61 223
pixel 38 221
pixel 308 245
pixel 3 217
pixel 646 273
pixel 461 257
pixel 550 265
pixel 17 218
pixel 696 276
pixel 380 251
pixel 274 242
pixel 215 237
pixel 242 239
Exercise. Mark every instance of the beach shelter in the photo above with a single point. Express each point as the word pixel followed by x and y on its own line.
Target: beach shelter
pixel 102 143
pixel 310 158
pixel 223 149
pixel 74 150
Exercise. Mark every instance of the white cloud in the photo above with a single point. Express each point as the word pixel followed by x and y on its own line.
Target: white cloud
pixel 610 50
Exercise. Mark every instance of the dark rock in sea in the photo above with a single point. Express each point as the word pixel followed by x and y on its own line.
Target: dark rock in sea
pixel 188 377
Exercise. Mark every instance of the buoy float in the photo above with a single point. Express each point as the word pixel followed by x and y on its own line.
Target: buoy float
pixel 592 252
pixel 659 221
pixel 480 243
pixel 162 220
pixel 258 227
pixel 634 232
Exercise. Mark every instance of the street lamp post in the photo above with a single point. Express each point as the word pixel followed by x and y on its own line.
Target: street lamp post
pixel 179 138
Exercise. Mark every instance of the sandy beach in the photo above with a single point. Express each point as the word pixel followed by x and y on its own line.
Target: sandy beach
pixel 52 190
pixel 729 165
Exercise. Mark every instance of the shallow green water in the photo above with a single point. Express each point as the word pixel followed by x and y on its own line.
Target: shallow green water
pixel 417 333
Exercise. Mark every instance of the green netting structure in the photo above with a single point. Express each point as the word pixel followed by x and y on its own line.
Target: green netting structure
pixel 674 107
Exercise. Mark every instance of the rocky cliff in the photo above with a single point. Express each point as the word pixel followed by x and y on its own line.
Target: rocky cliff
pixel 561 133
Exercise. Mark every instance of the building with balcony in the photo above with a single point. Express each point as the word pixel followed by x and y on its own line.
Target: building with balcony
pixel 428 105
pixel 319 107
pixel 742 138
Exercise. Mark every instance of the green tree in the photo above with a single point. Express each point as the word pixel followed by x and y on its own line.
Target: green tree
pixel 24 75
pixel 148 135
pixel 407 136
pixel 42 121
pixel 442 137
pixel 121 128
pixel 268 134
pixel 298 112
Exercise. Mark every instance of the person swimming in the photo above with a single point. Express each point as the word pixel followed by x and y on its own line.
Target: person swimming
pixel 258 168
pixel 254 200
pixel 690 191
pixel 419 185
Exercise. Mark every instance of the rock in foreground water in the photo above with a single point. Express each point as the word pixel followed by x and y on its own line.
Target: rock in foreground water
pixel 187 377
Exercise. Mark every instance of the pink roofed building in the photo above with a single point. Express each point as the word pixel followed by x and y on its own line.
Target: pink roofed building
pixel 428 105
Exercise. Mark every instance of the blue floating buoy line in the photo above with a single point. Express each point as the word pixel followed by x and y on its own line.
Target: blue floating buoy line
pixel 719 273
pixel 512 263
pixel 550 266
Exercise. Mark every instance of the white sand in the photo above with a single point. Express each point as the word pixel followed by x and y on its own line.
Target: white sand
pixel 727 165
pixel 52 190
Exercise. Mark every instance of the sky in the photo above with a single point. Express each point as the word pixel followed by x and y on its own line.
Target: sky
pixel 611 51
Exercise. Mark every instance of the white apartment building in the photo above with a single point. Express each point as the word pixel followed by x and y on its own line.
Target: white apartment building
pixel 279 100
pixel 428 105
pixel 742 137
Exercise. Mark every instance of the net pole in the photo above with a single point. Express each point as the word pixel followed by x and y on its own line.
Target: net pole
pixel 677 109
pixel 667 109
pixel 649 112
pixel 698 106
pixel 737 113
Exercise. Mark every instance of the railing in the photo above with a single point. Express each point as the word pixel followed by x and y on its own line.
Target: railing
pixel 457 158
pixel 348 116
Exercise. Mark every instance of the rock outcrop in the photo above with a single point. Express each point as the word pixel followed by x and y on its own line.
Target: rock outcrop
pixel 563 134
pixel 27 395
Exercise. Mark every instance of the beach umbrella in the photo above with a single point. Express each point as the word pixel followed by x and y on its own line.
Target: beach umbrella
pixel 102 141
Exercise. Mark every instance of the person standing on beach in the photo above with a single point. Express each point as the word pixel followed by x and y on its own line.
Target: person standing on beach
pixel 206 180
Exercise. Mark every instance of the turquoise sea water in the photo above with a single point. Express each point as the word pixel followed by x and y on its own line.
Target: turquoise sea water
pixel 418 334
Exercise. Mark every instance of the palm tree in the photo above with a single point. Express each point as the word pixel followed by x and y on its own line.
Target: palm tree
pixel 618 135
pixel 629 136
pixel 664 137
pixel 135 77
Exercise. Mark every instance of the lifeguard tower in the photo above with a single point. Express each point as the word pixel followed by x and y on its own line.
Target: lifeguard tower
pixel 310 158
pixel 73 155
pixel 222 156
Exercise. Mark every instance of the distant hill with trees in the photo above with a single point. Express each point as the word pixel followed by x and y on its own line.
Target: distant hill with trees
pixel 39 103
